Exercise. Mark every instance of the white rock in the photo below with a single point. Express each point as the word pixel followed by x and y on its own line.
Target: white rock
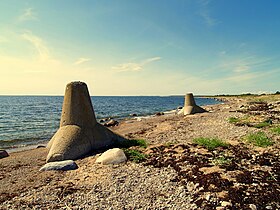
pixel 112 156
pixel 225 203
pixel 64 165
pixel 253 206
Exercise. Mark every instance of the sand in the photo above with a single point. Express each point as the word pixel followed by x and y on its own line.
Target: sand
pixel 178 174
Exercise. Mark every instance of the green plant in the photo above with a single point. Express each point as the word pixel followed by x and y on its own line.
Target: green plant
pixel 133 142
pixel 135 155
pixel 221 161
pixel 259 139
pixel 262 125
pixel 233 120
pixel 276 130
pixel 210 143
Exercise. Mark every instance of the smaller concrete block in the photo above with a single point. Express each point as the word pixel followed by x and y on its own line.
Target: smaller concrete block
pixel 112 156
pixel 60 166
pixel 3 154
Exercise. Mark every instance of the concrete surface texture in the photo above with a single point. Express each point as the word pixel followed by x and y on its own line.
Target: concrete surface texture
pixel 79 132
pixel 190 106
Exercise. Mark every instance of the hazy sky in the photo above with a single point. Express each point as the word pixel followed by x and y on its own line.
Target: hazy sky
pixel 140 47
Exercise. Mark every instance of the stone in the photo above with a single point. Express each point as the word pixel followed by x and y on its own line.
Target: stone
pixel 133 115
pixel 190 106
pixel 252 206
pixel 112 156
pixel 64 165
pixel 79 132
pixel 111 123
pixel 226 203
pixel 159 113
pixel 3 154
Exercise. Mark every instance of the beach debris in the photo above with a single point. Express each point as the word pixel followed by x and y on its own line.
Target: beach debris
pixel 79 132
pixel 133 115
pixel 3 154
pixel 112 156
pixel 64 165
pixel 110 123
pixel 190 106
pixel 159 113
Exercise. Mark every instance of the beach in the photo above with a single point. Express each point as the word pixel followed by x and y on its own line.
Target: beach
pixel 177 172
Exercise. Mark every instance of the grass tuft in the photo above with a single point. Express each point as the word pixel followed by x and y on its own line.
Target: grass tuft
pixel 133 142
pixel 135 155
pixel 262 125
pixel 222 161
pixel 233 120
pixel 276 130
pixel 259 139
pixel 210 143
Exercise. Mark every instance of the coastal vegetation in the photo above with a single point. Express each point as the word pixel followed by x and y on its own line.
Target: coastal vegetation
pixel 135 155
pixel 259 139
pixel 210 143
pixel 276 130
pixel 132 142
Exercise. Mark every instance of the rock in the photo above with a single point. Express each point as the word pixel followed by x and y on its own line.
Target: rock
pixel 133 115
pixel 159 113
pixel 3 154
pixel 111 123
pixel 179 107
pixel 112 156
pixel 41 146
pixel 226 203
pixel 101 121
pixel 253 206
pixel 64 165
pixel 220 208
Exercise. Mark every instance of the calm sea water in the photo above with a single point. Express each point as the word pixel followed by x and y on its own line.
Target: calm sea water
pixel 28 120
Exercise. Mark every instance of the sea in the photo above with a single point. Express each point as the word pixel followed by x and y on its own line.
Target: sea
pixel 32 120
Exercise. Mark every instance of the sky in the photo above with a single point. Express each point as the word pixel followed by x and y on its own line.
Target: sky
pixel 141 47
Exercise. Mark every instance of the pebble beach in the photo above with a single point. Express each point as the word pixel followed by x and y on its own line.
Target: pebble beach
pixel 177 173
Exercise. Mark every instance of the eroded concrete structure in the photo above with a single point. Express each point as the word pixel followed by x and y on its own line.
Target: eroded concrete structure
pixel 190 106
pixel 79 132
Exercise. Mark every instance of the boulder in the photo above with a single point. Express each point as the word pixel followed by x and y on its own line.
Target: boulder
pixel 159 113
pixel 64 165
pixel 111 123
pixel 3 154
pixel 112 156
pixel 133 115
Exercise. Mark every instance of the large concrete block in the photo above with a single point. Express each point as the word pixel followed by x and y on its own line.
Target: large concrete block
pixel 79 132
pixel 190 106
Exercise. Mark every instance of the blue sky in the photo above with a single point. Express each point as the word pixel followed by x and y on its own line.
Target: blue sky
pixel 123 47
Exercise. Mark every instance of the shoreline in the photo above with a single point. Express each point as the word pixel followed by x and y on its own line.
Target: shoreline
pixel 120 120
